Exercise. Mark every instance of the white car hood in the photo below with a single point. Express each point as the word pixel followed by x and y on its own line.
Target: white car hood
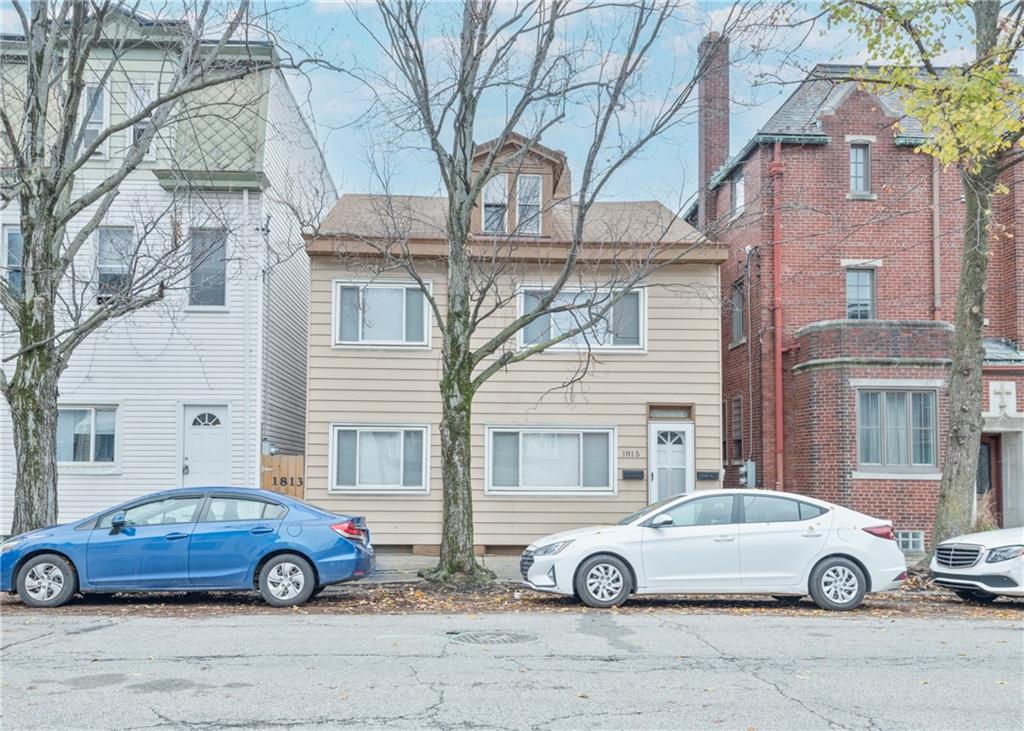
pixel 569 535
pixel 992 538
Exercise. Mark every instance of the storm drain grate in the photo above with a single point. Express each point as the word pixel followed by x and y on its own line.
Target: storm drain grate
pixel 491 638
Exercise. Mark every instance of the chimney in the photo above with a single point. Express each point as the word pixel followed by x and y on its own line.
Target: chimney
pixel 712 120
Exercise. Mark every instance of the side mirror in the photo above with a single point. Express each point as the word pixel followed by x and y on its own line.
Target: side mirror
pixel 117 523
pixel 660 521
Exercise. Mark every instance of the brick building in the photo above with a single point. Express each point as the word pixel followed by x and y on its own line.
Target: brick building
pixel 844 252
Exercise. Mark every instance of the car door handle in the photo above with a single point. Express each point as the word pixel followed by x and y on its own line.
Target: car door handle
pixel 176 536
pixel 725 539
pixel 261 529
pixel 812 535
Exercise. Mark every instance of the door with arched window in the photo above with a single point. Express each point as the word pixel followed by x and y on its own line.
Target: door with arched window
pixel 205 453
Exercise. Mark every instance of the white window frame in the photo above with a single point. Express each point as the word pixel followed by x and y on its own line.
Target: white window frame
pixel 564 347
pixel 189 307
pixel 540 205
pixel 483 205
pixel 563 491
pixel 738 184
pixel 100 295
pixel 92 466
pixel 334 488
pixel 428 320
pixel 103 150
pixel 129 110
pixel 872 302
pixel 4 249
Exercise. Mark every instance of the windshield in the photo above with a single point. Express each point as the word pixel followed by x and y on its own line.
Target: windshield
pixel 648 510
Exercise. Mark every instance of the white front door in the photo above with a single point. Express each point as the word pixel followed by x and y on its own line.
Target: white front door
pixel 205 453
pixel 669 459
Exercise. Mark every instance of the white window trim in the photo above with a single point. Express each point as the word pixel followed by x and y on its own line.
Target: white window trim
pixel 338 343
pixel 4 229
pixel 540 205
pixel 571 348
pixel 483 207
pixel 103 151
pixel 96 251
pixel 867 142
pixel 95 468
pixel 737 211
pixel 912 471
pixel 211 309
pixel 336 489
pixel 130 101
pixel 613 468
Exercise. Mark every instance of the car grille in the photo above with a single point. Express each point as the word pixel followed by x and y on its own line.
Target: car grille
pixel 525 563
pixel 957 555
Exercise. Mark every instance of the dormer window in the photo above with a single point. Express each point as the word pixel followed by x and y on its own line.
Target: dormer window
pixel 496 205
pixel 528 188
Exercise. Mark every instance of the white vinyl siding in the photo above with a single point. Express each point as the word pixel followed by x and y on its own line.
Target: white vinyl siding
pixel 622 327
pixel 545 460
pixel 379 458
pixel 86 434
pixel 380 313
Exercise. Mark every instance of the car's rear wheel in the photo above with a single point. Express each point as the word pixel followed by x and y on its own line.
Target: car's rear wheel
pixel 47 580
pixel 838 584
pixel 603 581
pixel 979 596
pixel 286 580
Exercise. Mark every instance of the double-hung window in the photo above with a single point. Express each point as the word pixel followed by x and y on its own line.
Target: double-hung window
pixel 208 272
pixel 14 249
pixel 860 294
pixel 528 197
pixel 85 435
pixel 115 249
pixel 140 95
pixel 739 194
pixel 860 168
pixel 619 327
pixel 94 112
pixel 551 460
pixel 380 458
pixel 896 430
pixel 381 313
pixel 496 204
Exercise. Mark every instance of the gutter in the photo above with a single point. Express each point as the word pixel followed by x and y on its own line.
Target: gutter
pixel 775 170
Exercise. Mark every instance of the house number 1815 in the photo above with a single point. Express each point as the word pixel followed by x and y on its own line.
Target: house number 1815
pixel 630 454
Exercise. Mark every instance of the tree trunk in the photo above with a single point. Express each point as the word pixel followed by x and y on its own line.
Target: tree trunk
pixel 32 397
pixel 954 514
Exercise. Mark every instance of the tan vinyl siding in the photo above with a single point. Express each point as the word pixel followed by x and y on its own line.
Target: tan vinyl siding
pixel 396 386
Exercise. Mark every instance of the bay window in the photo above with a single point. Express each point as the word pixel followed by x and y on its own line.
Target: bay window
pixel 551 460
pixel 380 458
pixel 896 430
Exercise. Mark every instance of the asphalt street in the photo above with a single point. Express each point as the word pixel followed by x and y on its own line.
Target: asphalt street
pixel 564 670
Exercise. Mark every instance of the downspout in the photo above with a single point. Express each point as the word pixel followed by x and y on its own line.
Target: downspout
pixel 936 268
pixel 775 172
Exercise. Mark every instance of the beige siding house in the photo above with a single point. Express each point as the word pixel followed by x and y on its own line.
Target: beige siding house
pixel 643 423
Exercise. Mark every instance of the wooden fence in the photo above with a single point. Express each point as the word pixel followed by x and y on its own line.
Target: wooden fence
pixel 284 473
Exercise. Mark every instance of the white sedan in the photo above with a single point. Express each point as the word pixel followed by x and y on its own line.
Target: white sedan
pixel 723 542
pixel 981 566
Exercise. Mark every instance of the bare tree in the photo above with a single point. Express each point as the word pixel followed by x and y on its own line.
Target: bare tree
pixel 543 63
pixel 75 127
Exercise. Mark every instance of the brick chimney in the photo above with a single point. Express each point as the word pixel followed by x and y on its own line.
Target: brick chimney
pixel 712 120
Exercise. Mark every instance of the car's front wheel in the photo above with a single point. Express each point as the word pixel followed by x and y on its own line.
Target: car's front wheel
pixel 47 580
pixel 603 581
pixel 978 596
pixel 286 580
pixel 838 584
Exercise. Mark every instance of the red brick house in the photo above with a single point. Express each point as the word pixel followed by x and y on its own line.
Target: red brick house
pixel 839 291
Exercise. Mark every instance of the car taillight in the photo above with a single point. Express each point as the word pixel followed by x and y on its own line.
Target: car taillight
pixel 882 531
pixel 348 529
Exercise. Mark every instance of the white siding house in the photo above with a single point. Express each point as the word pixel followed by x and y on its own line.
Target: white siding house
pixel 191 390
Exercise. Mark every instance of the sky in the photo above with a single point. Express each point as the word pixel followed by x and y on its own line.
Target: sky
pixel 338 103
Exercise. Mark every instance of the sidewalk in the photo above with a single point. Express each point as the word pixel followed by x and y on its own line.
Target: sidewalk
pixel 402 568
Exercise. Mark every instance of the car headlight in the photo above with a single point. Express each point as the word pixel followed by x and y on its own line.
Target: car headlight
pixel 1004 553
pixel 551 549
pixel 8 545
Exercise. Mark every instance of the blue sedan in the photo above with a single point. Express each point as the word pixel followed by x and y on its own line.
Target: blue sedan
pixel 191 540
